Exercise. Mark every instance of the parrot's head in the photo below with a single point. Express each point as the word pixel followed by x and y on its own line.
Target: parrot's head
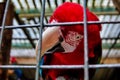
pixel 73 12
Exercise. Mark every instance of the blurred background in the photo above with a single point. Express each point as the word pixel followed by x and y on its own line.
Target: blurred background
pixel 18 46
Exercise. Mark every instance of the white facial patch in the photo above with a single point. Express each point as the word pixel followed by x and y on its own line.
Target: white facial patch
pixel 71 41
pixel 73 38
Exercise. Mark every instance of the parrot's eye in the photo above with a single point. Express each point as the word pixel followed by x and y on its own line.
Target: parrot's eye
pixel 78 37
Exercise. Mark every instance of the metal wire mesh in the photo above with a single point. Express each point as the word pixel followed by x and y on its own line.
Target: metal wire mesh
pixel 86 66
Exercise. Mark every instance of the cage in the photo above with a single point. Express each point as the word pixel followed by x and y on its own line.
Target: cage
pixel 23 21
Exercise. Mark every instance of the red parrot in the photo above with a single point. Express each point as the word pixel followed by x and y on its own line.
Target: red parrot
pixel 70 50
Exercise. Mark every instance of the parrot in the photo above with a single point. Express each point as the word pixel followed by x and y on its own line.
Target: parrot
pixel 66 43
pixel 17 72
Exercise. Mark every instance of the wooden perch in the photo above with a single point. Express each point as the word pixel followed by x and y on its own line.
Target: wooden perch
pixel 117 4
pixel 7 38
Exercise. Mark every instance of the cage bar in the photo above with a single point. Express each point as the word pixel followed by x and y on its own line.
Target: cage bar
pixel 61 66
pixel 40 40
pixel 86 68
pixel 61 24
pixel 3 22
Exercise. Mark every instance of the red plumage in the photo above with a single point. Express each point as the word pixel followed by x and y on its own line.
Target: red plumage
pixel 73 12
